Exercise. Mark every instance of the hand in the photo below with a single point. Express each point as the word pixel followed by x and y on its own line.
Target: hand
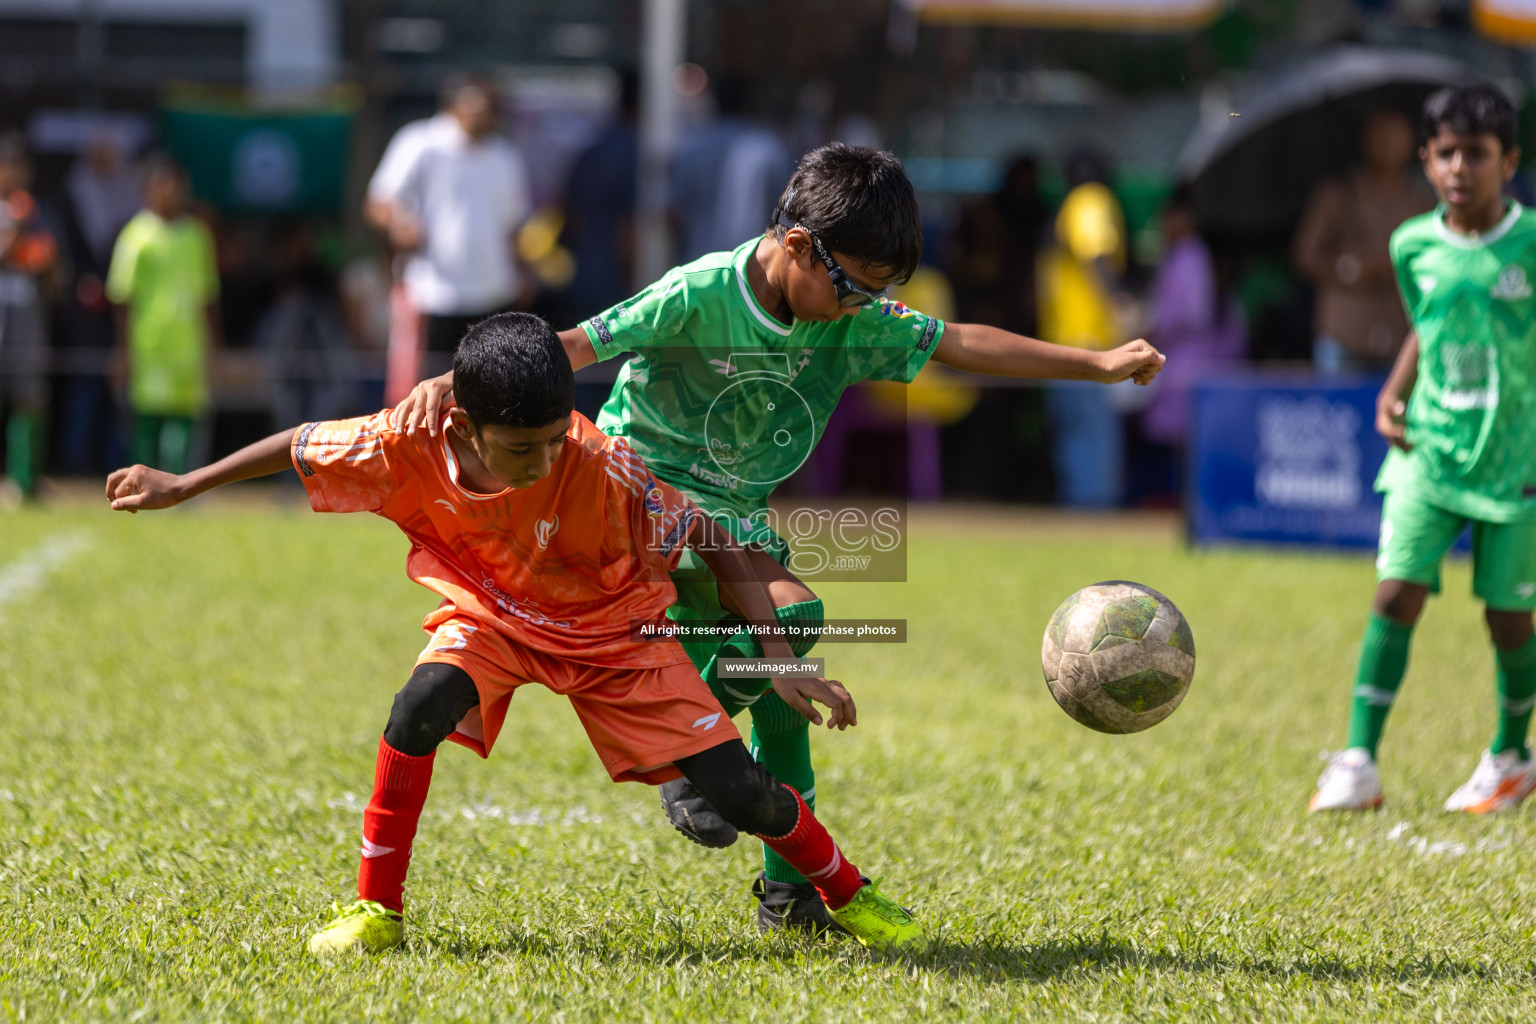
pixel 425 406
pixel 799 691
pixel 1137 360
pixel 405 233
pixel 1392 422
pixel 139 487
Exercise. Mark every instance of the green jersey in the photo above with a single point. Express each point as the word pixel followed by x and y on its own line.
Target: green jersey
pixel 164 272
pixel 1472 415
pixel 723 401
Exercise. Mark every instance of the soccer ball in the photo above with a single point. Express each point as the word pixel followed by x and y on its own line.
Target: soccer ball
pixel 1118 656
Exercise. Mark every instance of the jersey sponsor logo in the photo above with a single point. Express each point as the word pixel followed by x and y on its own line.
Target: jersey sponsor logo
pixel 722 452
pixel 545 529
pixel 619 310
pixel 717 479
pixel 300 443
pixel 929 330
pixel 596 323
pixel 900 310
pixel 1512 284
pixel 447 504
pixel 372 849
pixel 708 721
pixel 653 503
pixel 1469 379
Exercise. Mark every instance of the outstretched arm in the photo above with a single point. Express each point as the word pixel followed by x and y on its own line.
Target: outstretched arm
pixel 430 400
pixel 977 348
pixel 741 589
pixel 1392 402
pixel 139 487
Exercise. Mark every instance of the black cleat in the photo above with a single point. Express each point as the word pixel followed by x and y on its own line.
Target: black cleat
pixel 797 907
pixel 694 816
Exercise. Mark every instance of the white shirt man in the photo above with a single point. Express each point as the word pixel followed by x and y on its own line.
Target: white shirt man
pixel 452 194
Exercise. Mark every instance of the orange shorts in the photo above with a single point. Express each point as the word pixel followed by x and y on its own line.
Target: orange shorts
pixel 639 720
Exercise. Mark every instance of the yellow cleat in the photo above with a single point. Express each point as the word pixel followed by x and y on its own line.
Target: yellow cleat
pixel 880 923
pixel 365 925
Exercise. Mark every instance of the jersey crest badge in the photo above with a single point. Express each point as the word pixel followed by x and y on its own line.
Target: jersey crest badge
pixel 545 529
pixel 1512 284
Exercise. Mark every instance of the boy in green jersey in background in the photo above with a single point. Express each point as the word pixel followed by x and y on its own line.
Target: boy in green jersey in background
pixel 740 359
pixel 1459 409
pixel 164 285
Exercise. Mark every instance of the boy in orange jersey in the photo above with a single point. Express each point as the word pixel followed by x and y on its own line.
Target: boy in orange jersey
pixel 549 542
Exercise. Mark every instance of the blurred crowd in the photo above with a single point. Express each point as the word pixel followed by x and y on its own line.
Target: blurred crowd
pixel 138 325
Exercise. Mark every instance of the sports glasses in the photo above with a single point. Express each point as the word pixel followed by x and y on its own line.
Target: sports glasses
pixel 849 295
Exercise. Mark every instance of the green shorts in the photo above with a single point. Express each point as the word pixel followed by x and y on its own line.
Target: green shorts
pixel 698 592
pixel 1416 535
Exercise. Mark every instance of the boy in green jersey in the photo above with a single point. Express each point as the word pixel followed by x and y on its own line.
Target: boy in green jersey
pixel 164 285
pixel 1459 409
pixel 740 359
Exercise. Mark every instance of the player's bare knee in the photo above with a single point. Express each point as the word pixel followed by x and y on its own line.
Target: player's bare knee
pixel 1400 601
pixel 1509 630
pixel 428 707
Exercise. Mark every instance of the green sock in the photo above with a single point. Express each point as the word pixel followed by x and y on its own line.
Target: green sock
pixel 1383 660
pixel 22 434
pixel 781 736
pixel 176 436
pixel 145 443
pixel 1517 696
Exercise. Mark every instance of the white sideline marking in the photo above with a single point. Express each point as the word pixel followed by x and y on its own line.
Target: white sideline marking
pixel 31 570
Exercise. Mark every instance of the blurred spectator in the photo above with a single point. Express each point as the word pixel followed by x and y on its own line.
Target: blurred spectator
pixel 992 260
pixel 1192 324
pixel 100 196
pixel 313 374
pixel 364 290
pixel 451 193
pixel 165 286
pixel 28 253
pixel 726 176
pixel 1080 293
pixel 1341 247
pixel 600 209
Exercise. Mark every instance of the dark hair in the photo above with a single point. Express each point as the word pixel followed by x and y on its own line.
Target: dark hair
pixel 1086 165
pixel 511 371
pixel 13 148
pixel 457 83
pixel 161 163
pixel 857 201
pixel 1480 108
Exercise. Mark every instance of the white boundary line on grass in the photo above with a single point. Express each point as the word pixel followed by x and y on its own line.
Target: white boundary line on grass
pixel 29 572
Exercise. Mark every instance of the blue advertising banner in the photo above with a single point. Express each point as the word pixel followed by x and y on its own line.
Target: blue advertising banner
pixel 1285 460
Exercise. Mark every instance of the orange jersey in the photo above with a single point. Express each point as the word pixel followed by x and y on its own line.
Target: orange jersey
pixel 565 566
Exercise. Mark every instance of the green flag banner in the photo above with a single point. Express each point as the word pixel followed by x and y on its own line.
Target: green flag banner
pixel 262 161
pixel 1112 15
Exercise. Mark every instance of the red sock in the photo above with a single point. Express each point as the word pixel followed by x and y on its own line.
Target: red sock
pixel 389 824
pixel 811 851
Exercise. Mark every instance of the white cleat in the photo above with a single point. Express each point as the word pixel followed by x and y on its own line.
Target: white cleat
pixel 1349 783
pixel 1499 783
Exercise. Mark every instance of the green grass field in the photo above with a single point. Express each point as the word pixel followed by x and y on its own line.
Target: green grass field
pixel 190 702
